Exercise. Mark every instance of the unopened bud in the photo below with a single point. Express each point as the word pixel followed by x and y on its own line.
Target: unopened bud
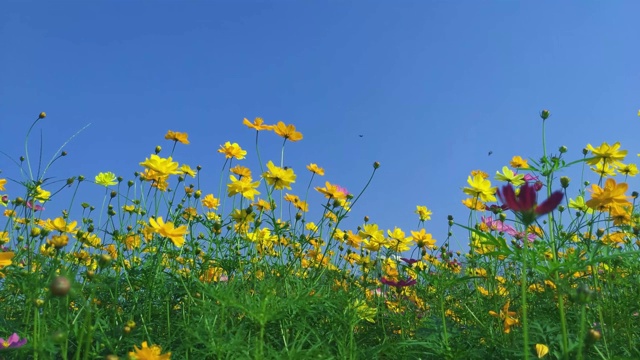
pixel 585 151
pixel 544 114
pixel 376 165
pixel 158 149
pixel 60 286
pixel 600 232
pixel 563 149
pixel 564 181
pixel 71 180
pixel 366 219
pixel 42 115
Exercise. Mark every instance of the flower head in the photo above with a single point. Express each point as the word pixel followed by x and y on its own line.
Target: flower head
pixel 398 284
pixel 232 151
pixel 106 179
pixel 146 352
pixel 177 137
pixel 315 169
pixel 279 177
pixel 479 186
pixel 508 317
pixel 287 131
pixel 611 195
pixel 162 167
pixel 2 183
pixel 541 350
pixel 243 186
pixel 169 230
pixel 12 342
pixel 258 124
pixel 423 213
pixel 525 202
pixel 509 176
pixel 611 155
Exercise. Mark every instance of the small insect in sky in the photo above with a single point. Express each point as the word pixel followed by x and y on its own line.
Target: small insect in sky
pixel 361 135
pixel 490 152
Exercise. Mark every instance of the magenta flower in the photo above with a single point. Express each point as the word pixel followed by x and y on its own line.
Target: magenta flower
pixel 35 207
pixel 398 284
pixel 12 342
pixel 525 203
pixel 409 261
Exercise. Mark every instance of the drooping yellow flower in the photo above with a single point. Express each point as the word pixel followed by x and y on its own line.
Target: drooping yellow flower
pixel 610 196
pixel 509 176
pixel 314 168
pixel 480 172
pixel 331 191
pixel 232 151
pixel 162 166
pixel 2 183
pixel 579 204
pixel 397 240
pixel 480 187
pixel 177 137
pixel 287 131
pixel 474 204
pixel 541 350
pixel 423 213
pixel 169 230
pixel 106 179
pixel 611 155
pixel 278 177
pixel 507 317
pixel 518 162
pixel 58 241
pixel 4 237
pixel 258 124
pixel 603 169
pixel 148 353
pixel 243 186
pixel 210 202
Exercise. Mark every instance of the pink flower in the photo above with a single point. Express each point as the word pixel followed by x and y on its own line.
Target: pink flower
pixel 35 207
pixel 12 342
pixel 399 283
pixel 525 203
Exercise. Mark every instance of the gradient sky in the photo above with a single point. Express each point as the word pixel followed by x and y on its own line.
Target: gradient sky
pixel 433 86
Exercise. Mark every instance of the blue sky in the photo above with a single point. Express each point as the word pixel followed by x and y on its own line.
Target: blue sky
pixel 433 86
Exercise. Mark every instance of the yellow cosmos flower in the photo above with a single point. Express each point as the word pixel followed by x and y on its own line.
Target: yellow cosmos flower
pixel 241 171
pixel 287 131
pixel 278 177
pixel 398 241
pixel 243 186
pixel 611 195
pixel 518 162
pixel 41 194
pixel 2 183
pixel 509 176
pixel 258 124
pixel 541 350
pixel 262 205
pixel 58 241
pixel 177 137
pixel 106 179
pixel 4 237
pixel 232 151
pixel 480 187
pixel 629 170
pixel 474 204
pixel 61 225
pixel 331 191
pixel 579 204
pixel 480 172
pixel 423 239
pixel 210 202
pixel 604 169
pixel 148 353
pixel 187 170
pixel 507 317
pixel 5 258
pixel 423 213
pixel 169 230
pixel 364 311
pixel 611 155
pixel 314 168
pixel 162 166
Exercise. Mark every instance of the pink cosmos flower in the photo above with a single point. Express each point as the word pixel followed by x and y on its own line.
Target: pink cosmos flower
pixel 525 203
pixel 399 283
pixel 12 342
pixel 35 207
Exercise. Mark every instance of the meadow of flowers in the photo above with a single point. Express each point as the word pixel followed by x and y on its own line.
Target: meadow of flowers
pixel 165 269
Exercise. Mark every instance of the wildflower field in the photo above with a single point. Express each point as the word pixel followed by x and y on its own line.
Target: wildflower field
pixel 166 269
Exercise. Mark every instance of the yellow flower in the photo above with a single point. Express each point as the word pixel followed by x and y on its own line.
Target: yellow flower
pixel 423 213
pixel 423 239
pixel 611 195
pixel 579 204
pixel 508 317
pixel 243 186
pixel 607 154
pixel 169 230
pixel 262 205
pixel 398 241
pixel 210 202
pixel 177 137
pixel 287 131
pixel 187 170
pixel 314 168
pixel 241 171
pixel 509 176
pixel 604 169
pixel 541 350
pixel 148 353
pixel 232 151
pixel 474 204
pixel 480 187
pixel 258 124
pixel 41 194
pixel 2 183
pixel 364 311
pixel 60 224
pixel 629 170
pixel 106 179
pixel 518 162
pixel 278 177
pixel 331 191
pixel 58 241
pixel 5 258
pixel 161 166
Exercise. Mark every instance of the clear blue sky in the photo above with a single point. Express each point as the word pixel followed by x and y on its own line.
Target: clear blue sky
pixel 432 85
